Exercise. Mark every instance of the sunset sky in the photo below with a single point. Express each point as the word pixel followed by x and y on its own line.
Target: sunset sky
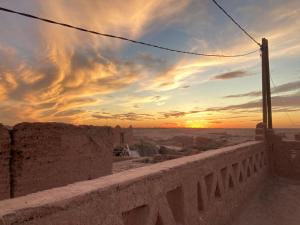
pixel 50 73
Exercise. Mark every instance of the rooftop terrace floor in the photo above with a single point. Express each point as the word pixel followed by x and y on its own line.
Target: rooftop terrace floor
pixel 278 203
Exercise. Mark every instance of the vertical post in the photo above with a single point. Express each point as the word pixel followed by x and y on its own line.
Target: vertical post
pixel 267 105
pixel 269 101
pixel 264 72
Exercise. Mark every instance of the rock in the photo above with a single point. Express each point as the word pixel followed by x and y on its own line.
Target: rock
pixel 146 148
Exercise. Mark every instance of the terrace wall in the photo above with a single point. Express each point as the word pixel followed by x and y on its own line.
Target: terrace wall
pixel 47 155
pixel 286 158
pixel 4 163
pixel 207 188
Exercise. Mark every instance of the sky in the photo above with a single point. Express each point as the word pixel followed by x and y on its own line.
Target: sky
pixel 51 73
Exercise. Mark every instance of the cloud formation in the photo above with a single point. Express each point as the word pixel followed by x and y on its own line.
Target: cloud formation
pixel 131 116
pixel 72 71
pixel 231 75
pixel 177 114
pixel 283 88
pixel 48 73
pixel 291 101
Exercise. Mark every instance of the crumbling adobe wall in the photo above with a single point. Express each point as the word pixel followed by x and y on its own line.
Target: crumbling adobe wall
pixel 47 155
pixel 4 163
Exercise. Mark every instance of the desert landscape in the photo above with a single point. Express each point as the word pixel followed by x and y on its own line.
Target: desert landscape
pixel 149 112
pixel 153 145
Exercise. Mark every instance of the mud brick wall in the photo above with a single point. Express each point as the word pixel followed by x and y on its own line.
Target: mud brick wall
pixel 286 155
pixel 4 163
pixel 47 155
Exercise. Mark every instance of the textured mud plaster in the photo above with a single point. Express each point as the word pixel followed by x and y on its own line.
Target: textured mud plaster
pixel 208 188
pixel 286 156
pixel 47 155
pixel 4 163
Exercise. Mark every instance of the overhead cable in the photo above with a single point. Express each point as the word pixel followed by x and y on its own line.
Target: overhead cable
pixel 120 37
pixel 235 22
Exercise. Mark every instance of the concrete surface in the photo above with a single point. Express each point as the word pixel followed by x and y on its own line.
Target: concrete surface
pixel 278 203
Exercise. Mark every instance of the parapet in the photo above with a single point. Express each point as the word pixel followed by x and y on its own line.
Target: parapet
pixel 208 188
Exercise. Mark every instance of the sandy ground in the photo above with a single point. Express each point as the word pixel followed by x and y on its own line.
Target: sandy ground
pixel 278 203
pixel 231 135
pixel 218 138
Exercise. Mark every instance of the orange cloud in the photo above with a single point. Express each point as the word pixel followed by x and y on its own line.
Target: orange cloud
pixel 68 75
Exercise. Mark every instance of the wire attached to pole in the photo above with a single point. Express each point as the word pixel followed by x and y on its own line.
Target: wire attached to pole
pixel 235 22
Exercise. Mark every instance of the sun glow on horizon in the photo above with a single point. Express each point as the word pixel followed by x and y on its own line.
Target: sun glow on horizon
pixel 196 124
pixel 79 78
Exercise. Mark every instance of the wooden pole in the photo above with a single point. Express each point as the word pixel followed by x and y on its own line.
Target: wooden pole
pixel 269 100
pixel 267 104
pixel 264 72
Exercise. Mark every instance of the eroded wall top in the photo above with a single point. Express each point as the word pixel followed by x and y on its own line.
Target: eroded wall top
pixel 47 155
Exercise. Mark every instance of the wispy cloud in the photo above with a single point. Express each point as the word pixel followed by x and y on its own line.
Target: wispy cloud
pixel 139 101
pixel 177 114
pixel 68 113
pixel 48 73
pixel 289 101
pixel 186 86
pixel 231 75
pixel 287 87
pixel 131 116
pixel 71 70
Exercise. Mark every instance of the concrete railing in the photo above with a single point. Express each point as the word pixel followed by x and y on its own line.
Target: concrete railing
pixel 207 188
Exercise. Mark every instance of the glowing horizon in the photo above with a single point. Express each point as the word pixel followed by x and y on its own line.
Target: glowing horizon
pixel 49 73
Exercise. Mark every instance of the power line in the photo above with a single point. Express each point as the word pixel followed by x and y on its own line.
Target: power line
pixel 235 22
pixel 121 38
pixel 287 114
